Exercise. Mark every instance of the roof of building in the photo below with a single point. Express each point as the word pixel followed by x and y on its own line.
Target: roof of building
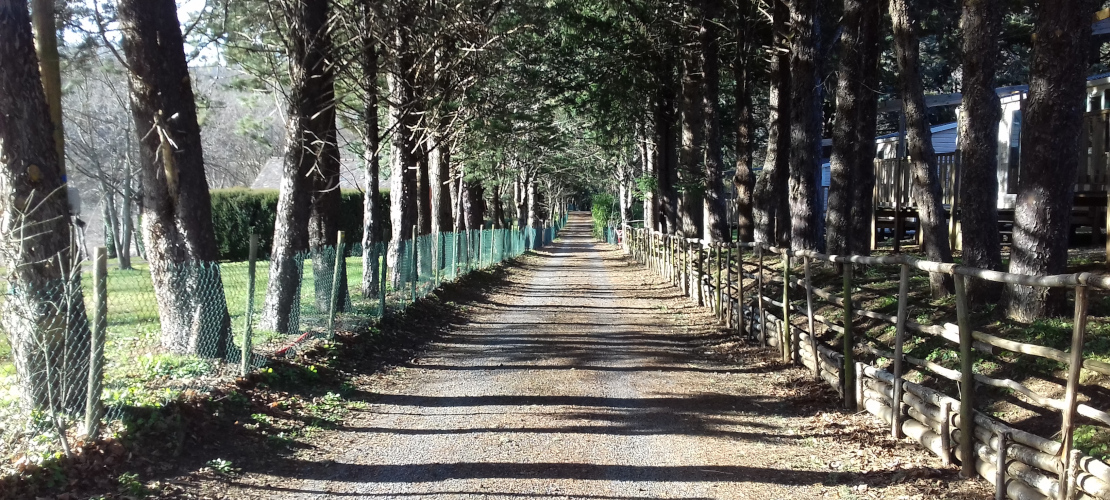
pixel 351 176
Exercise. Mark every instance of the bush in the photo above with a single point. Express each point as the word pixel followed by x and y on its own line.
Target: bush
pixel 238 212
pixel 603 208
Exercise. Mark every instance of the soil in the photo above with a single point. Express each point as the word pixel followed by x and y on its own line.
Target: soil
pixel 583 376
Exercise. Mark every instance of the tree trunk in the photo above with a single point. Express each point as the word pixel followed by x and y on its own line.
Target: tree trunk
pixel 922 159
pixel 978 132
pixel 44 20
pixel 665 160
pixel 716 224
pixel 521 194
pixel 647 161
pixel 744 179
pixel 863 172
pixel 771 186
pixel 845 148
pixel 323 222
pixel 372 250
pixel 805 125
pixel 691 177
pixel 310 94
pixel 43 311
pixel 474 205
pixel 177 209
pixel 124 260
pixel 498 207
pixel 1050 146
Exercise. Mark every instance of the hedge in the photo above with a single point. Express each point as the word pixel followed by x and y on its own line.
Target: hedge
pixel 239 211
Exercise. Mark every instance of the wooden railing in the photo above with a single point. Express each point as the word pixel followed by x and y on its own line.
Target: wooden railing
pixel 893 183
pixel 745 293
pixel 1093 156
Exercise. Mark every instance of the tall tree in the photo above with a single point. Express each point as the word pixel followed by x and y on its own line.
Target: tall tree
pixel 805 124
pixel 43 312
pixel 863 175
pixel 846 147
pixel 176 209
pixel 716 224
pixel 691 177
pixel 44 19
pixel 308 126
pixel 921 157
pixel 1050 145
pixel 980 22
pixel 372 212
pixel 771 221
pixel 744 179
pixel 323 221
pixel 666 160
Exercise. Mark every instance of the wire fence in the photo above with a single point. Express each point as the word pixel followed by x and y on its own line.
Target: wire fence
pixel 78 356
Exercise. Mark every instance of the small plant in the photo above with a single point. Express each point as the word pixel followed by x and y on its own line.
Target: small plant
pixel 1093 441
pixel 130 485
pixel 222 467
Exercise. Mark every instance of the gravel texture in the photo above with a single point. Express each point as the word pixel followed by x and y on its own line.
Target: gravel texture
pixel 590 378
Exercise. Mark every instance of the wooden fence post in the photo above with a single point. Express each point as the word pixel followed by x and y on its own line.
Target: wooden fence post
pixel 720 292
pixel 728 287
pixel 1078 338
pixel 787 336
pixel 245 351
pixel 415 267
pixel 946 432
pixel 739 290
pixel 335 274
pixel 1000 466
pixel 699 272
pixel 899 340
pixel 759 297
pixel 849 343
pixel 809 316
pixel 967 380
pixel 382 255
pixel 93 406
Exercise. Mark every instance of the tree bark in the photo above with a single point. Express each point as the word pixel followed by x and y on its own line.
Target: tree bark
pixel 922 159
pixel 980 22
pixel 1050 146
pixel 43 311
pixel 311 93
pixel 691 176
pixel 323 222
pixel 805 125
pixel 863 173
pixel 498 208
pixel 44 20
pixel 665 152
pixel 716 225
pixel 520 192
pixel 474 205
pixel 372 250
pixel 177 209
pixel 771 186
pixel 744 179
pixel 846 148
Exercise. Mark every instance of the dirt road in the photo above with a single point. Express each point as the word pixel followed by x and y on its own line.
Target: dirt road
pixel 589 378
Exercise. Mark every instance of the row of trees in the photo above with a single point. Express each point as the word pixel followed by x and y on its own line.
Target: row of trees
pixel 818 69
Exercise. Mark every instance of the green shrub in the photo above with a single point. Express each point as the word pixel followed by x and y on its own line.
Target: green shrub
pixel 239 211
pixel 604 210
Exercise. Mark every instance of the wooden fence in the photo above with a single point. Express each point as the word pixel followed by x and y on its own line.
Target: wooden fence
pixel 733 279
pixel 892 181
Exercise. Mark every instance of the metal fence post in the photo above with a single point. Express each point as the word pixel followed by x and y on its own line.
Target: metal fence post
pixel 967 380
pixel 335 279
pixel 93 404
pixel 245 352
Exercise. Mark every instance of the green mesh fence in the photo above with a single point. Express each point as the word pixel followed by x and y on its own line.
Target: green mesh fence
pixel 184 329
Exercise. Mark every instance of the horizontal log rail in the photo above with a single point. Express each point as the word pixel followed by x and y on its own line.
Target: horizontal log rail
pixel 766 300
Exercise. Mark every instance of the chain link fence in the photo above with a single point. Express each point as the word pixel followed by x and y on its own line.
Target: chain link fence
pixel 79 355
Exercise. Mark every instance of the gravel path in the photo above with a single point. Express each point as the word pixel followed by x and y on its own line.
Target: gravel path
pixel 585 379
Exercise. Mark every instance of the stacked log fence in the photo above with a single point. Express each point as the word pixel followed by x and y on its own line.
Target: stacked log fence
pixel 778 308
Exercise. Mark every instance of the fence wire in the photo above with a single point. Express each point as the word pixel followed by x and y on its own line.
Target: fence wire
pixel 185 329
